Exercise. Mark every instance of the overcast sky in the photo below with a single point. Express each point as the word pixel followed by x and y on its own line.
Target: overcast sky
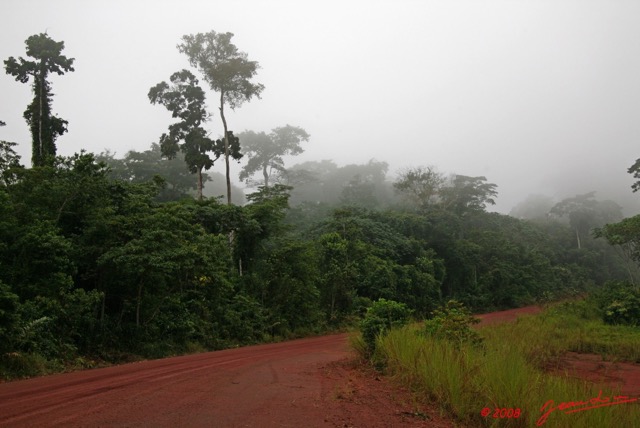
pixel 538 96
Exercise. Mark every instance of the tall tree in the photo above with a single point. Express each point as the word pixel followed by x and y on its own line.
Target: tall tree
pixel 228 71
pixel 186 101
pixel 48 58
pixel 265 152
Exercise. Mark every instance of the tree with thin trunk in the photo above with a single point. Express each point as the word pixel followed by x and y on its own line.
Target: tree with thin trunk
pixel 45 128
pixel 228 72
pixel 186 101
pixel 265 152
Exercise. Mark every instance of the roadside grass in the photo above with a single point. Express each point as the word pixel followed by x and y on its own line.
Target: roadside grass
pixel 509 369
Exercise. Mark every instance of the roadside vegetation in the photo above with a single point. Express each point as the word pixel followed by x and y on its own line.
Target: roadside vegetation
pixel 509 365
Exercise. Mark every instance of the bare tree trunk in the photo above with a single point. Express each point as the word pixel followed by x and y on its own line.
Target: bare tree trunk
pixel 200 183
pixel 266 176
pixel 226 147
pixel 578 239
pixel 232 235
pixel 41 145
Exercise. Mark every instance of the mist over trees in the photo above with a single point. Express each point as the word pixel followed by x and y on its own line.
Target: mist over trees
pixel 111 258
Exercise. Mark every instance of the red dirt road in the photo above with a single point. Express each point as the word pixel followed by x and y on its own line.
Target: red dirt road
pixel 302 383
pixel 306 382
pixel 507 315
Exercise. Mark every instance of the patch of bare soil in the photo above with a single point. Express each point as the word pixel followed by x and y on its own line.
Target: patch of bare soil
pixel 591 367
pixel 360 397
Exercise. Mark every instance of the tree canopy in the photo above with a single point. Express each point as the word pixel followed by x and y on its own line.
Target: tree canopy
pixel 228 72
pixel 265 151
pixel 47 58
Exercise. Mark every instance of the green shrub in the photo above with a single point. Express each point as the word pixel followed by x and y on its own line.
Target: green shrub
pixel 16 365
pixel 619 303
pixel 381 317
pixel 57 328
pixel 453 322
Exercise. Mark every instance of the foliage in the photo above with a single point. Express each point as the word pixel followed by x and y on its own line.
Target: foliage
pixel 585 213
pixel 58 327
pixel 424 188
pixel 228 72
pixel 289 288
pixel 466 194
pixel 325 183
pixel 142 167
pixel 625 234
pixel 499 374
pixel 9 304
pixel 224 67
pixel 265 152
pixel 48 58
pixel 635 170
pixel 619 303
pixel 186 101
pixel 453 322
pixel 366 254
pixel 420 186
pixel 9 163
pixel 512 366
pixel 382 316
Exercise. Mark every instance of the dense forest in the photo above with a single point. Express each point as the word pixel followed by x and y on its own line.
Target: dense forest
pixel 109 259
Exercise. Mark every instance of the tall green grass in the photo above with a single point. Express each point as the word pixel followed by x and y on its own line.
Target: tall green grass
pixel 508 370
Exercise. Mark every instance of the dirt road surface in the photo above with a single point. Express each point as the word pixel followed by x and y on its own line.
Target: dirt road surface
pixel 302 383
